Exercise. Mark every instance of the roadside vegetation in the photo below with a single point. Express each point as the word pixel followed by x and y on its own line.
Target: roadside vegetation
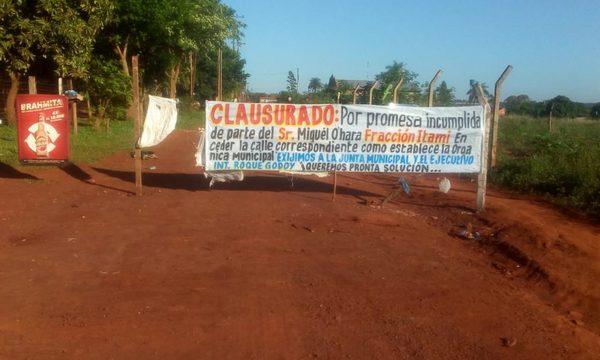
pixel 91 143
pixel 562 165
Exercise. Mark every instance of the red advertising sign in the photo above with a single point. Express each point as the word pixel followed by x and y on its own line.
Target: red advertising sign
pixel 43 128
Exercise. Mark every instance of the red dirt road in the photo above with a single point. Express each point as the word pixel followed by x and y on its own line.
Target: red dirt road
pixel 256 270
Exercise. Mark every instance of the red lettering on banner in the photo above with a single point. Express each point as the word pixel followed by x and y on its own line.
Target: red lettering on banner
pixel 255 114
pixel 303 116
pixel 290 119
pixel 240 115
pixel 267 115
pixel 214 118
pixel 329 115
pixel 279 114
pixel 317 115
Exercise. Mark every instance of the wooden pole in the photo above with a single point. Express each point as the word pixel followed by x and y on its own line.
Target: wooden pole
pixel 60 87
pixel 192 75
pixel 482 177
pixel 32 85
pixel 431 87
pixel 334 185
pixel 137 125
pixel 496 118
pixel 396 90
pixel 371 92
pixel 73 107
pixel 220 75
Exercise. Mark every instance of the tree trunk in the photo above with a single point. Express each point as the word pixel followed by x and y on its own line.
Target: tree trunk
pixel 173 76
pixel 192 74
pixel 11 113
pixel 90 113
pixel 122 52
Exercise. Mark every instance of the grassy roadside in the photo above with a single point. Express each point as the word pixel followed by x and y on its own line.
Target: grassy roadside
pixel 563 165
pixel 92 144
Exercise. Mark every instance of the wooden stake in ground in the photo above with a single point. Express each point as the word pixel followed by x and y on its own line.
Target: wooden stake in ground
pixel 482 178
pixel 73 105
pixel 334 185
pixel 137 125
pixel 32 85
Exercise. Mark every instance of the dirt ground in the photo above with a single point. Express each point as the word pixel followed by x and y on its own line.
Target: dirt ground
pixel 258 270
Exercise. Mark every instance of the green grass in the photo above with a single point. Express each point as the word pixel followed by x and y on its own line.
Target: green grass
pixel 8 145
pixel 190 118
pixel 563 165
pixel 92 144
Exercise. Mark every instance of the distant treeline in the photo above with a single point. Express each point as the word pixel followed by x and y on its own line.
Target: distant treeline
pixel 559 106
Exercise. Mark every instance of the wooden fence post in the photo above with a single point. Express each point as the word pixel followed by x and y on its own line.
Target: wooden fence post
pixel 482 177
pixel 73 105
pixel 137 124
pixel 32 85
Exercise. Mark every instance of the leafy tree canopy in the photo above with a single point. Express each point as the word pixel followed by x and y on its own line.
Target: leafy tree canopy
pixel 389 78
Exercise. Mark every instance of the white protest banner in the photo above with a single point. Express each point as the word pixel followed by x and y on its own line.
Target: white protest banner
pixel 355 138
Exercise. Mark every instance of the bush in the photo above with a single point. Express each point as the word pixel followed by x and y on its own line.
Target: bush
pixel 564 165
pixel 109 89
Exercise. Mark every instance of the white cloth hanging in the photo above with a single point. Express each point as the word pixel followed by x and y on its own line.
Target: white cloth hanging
pixel 161 119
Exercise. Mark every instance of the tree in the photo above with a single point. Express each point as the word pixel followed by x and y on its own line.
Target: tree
pixel 292 84
pixel 346 91
pixel 17 44
pixel 561 106
pixel 70 31
pixel 444 96
pixel 315 85
pixel 169 33
pixel 472 95
pixel 520 104
pixel 62 30
pixel 109 90
pixel 332 83
pixel 388 80
pixel 234 76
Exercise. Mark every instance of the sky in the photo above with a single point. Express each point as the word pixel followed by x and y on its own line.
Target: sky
pixel 553 46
